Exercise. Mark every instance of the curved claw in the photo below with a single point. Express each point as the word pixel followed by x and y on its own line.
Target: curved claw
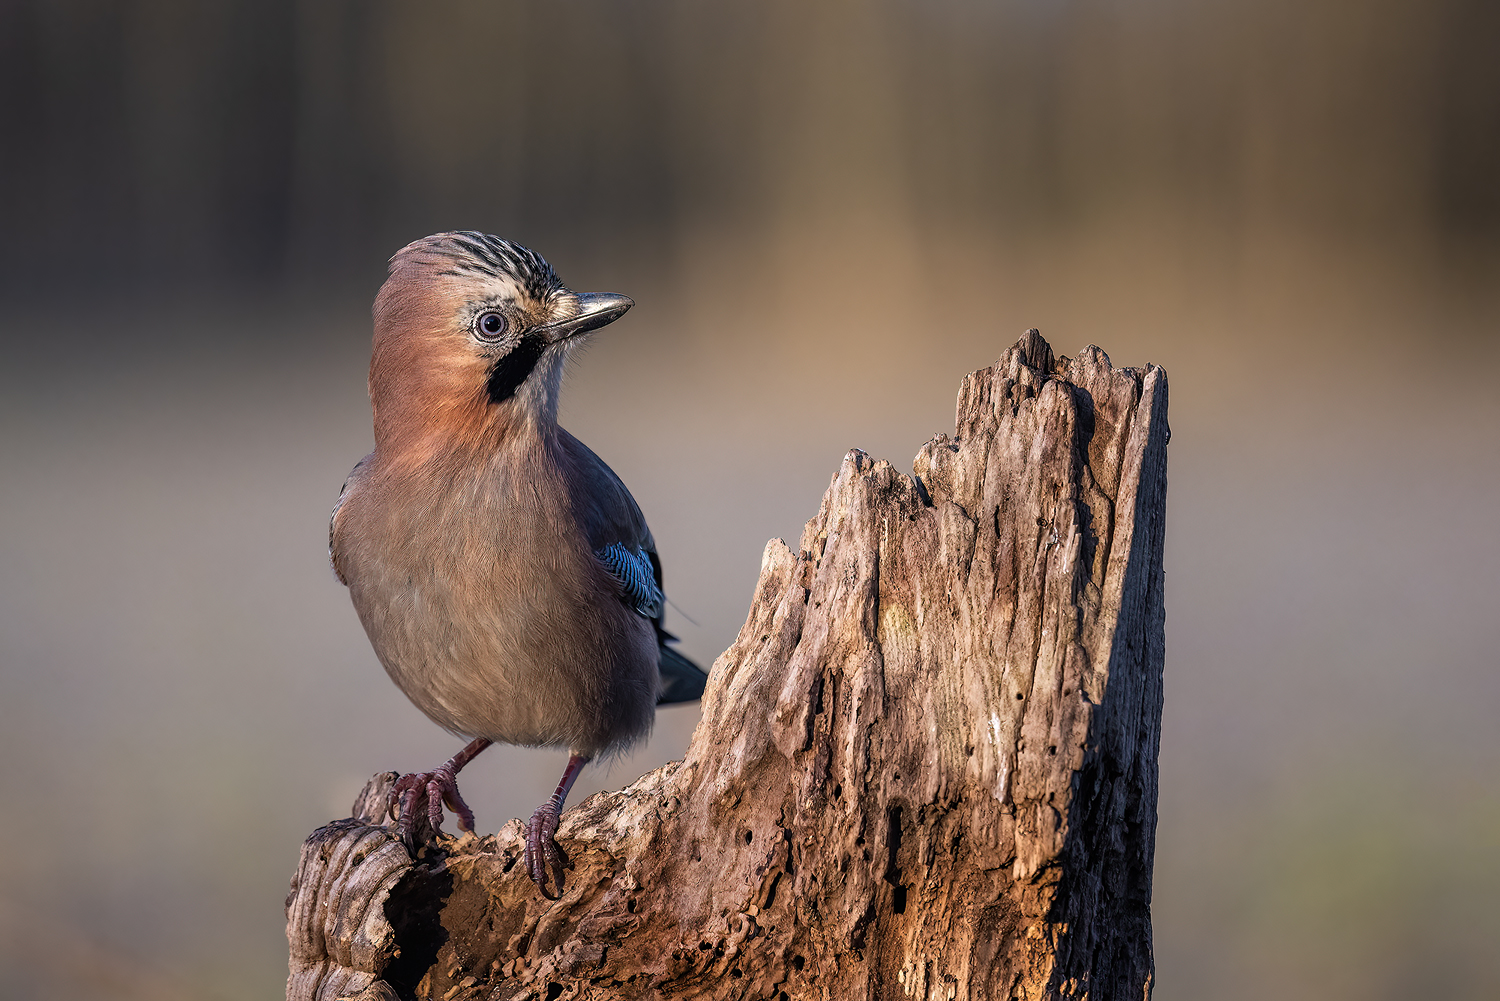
pixel 543 855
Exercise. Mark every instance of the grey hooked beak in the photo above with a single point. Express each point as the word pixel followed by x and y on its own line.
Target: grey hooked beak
pixel 595 310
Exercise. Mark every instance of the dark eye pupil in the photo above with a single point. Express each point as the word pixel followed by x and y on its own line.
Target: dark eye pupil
pixel 492 323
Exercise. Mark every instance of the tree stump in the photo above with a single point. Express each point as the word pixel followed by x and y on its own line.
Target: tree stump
pixel 926 768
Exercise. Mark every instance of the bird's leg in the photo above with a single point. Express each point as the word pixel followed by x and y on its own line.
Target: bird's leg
pixel 437 787
pixel 542 851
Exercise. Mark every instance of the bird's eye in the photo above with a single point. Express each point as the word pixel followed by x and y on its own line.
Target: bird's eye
pixel 490 326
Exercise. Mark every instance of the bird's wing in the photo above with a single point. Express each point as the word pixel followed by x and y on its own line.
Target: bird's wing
pixel 606 512
pixel 350 483
pixel 618 533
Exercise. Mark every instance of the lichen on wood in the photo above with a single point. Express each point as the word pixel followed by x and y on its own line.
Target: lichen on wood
pixel 926 767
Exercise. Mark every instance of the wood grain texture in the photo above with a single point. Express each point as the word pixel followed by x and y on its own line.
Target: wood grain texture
pixel 927 767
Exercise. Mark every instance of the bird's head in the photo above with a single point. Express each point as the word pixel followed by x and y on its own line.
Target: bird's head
pixel 471 332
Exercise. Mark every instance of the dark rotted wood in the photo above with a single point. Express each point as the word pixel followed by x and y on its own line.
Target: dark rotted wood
pixel 926 767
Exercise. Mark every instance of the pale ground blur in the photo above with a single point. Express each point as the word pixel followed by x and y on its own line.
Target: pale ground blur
pixel 185 692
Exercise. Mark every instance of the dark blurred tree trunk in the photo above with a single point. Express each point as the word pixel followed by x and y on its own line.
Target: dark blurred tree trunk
pixel 926 768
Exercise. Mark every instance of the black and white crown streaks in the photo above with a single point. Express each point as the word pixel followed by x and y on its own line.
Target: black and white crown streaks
pixel 471 252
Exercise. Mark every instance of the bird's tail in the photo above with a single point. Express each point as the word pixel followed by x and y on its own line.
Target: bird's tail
pixel 681 679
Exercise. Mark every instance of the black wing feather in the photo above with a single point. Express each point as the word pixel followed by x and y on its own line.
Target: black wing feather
pixel 681 679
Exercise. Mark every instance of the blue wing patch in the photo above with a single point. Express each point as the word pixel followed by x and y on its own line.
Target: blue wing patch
pixel 632 568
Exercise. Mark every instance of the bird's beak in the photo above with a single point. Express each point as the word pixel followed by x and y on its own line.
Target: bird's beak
pixel 595 310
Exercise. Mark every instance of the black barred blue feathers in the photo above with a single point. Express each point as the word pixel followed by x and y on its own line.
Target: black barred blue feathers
pixel 632 568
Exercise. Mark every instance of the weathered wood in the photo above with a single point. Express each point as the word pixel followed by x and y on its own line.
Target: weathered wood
pixel 926 767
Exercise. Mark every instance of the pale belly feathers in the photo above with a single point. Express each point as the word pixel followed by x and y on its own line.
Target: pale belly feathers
pixel 496 620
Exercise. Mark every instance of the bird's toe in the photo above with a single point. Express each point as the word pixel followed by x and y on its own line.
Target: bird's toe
pixel 544 857
pixel 416 803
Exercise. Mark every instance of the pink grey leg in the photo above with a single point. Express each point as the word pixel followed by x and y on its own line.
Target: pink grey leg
pixel 542 851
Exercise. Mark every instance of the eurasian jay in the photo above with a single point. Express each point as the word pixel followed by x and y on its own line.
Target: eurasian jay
pixel 505 576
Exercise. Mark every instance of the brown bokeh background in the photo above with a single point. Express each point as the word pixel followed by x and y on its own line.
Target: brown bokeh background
pixel 828 213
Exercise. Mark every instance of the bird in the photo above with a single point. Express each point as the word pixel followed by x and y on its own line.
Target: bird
pixel 505 576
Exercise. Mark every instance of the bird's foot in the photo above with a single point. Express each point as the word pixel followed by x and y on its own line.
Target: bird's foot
pixel 421 796
pixel 543 854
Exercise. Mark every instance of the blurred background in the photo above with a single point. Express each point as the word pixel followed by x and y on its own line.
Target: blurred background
pixel 828 213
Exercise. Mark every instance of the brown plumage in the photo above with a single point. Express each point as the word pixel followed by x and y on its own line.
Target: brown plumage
pixel 472 537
